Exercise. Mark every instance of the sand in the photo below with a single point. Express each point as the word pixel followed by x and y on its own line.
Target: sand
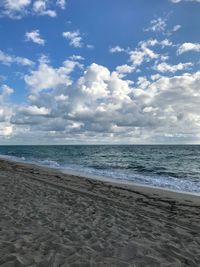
pixel 48 218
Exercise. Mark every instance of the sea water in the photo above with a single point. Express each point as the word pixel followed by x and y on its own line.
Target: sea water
pixel 174 167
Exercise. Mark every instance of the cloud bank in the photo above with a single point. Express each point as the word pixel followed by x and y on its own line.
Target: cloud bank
pixel 102 104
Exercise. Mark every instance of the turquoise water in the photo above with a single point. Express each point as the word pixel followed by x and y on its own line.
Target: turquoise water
pixel 174 167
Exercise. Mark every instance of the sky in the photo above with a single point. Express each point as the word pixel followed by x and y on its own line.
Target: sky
pixel 99 72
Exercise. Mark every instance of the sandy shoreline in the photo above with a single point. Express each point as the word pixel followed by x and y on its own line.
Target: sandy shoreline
pixel 48 218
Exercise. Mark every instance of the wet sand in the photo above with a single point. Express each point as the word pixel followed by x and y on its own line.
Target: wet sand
pixel 48 218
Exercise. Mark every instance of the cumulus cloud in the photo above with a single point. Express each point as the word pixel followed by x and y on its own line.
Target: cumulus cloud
pixel 175 1
pixel 176 28
pixel 6 91
pixel 16 9
pixel 16 5
pixel 7 59
pixel 34 36
pixel 143 53
pixel 116 49
pixel 40 8
pixel 186 47
pixel 61 3
pixel 6 131
pixel 74 38
pixel 178 1
pixel 122 70
pixel 157 25
pixel 89 46
pixel 77 103
pixel 150 50
pixel 160 26
pixel 76 57
pixel 34 110
pixel 6 128
pixel 47 77
pixel 164 67
pixel 103 103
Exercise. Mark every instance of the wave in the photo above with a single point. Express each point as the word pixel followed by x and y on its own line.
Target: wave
pixel 162 181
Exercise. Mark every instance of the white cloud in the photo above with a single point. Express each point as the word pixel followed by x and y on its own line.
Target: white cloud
pixel 102 104
pixel 164 67
pixel 6 91
pixel 178 1
pixel 40 8
pixel 157 25
pixel 6 128
pixel 138 56
pixel 16 5
pixel 143 53
pixel 124 69
pixel 74 38
pixel 9 59
pixel 47 77
pixel 149 42
pixel 61 97
pixel 34 110
pixel 76 57
pixel 89 46
pixel 154 42
pixel 35 37
pixel 116 49
pixel 155 77
pixel 23 61
pixel 185 47
pixel 61 3
pixel 175 1
pixel 5 58
pixel 176 28
pixel 166 42
pixel 16 9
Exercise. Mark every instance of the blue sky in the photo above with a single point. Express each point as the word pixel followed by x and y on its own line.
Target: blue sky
pixel 124 71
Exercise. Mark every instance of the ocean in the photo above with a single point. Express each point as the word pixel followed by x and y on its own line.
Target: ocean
pixel 174 167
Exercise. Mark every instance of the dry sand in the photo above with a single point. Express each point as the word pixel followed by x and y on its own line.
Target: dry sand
pixel 51 219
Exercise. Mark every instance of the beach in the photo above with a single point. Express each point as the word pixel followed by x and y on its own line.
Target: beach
pixel 48 218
